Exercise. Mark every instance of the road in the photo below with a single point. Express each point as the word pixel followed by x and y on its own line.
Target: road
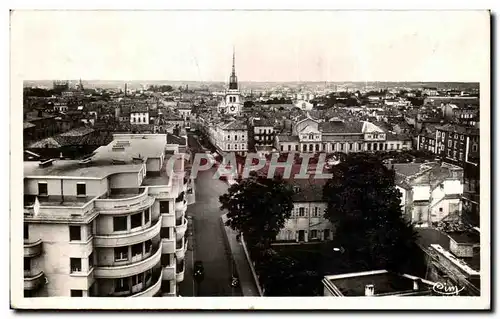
pixel 206 240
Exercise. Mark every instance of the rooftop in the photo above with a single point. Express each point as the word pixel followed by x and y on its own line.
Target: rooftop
pixel 384 283
pixel 338 127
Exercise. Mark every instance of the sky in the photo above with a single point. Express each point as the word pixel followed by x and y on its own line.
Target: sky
pixel 269 45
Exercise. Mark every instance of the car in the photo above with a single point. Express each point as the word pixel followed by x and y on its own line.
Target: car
pixel 199 271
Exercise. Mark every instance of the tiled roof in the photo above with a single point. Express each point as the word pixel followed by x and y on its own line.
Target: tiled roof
pixel 309 190
pixel 459 129
pixel 263 122
pixel 287 138
pixel 79 131
pixel 27 125
pixel 235 125
pixel 174 139
pixel 341 127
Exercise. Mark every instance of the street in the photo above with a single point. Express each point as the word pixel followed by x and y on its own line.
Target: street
pixel 206 240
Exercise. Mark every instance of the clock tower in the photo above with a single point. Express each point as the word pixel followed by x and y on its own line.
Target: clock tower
pixel 232 101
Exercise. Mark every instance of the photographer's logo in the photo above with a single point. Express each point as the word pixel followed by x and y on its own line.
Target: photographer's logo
pixel 446 289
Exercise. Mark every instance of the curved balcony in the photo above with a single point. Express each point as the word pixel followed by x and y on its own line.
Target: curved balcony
pixel 168 245
pixel 180 229
pixel 153 290
pixel 33 249
pixel 130 238
pixel 169 273
pixel 181 252
pixel 130 269
pixel 179 276
pixel 34 282
pixel 181 206
pixel 124 205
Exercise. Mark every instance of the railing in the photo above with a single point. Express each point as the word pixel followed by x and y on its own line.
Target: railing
pixel 181 206
pixel 160 192
pixel 33 282
pixel 154 289
pixel 130 269
pixel 169 272
pixel 58 210
pixel 180 229
pixel 130 238
pixel 179 275
pixel 33 249
pixel 181 251
pixel 112 204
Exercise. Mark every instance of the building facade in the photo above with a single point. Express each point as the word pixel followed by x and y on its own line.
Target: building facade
pixel 232 103
pixel 112 224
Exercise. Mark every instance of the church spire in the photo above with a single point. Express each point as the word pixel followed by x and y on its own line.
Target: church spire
pixel 233 80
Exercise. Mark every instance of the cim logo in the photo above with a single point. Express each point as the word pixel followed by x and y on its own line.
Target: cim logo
pixel 446 289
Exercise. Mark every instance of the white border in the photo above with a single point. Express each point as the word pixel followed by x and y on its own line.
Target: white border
pixel 245 303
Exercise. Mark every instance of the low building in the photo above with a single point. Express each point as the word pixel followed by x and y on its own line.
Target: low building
pixel 430 192
pixel 453 258
pixel 262 130
pixel 139 115
pixel 378 283
pixel 229 136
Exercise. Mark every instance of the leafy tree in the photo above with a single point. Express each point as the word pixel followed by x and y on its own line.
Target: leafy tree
pixel 258 207
pixel 248 104
pixel 363 204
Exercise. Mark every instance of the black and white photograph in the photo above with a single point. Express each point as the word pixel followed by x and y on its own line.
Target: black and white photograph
pixel 250 157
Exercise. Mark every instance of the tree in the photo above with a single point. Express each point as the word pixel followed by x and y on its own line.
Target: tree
pixel 258 207
pixel 363 204
pixel 248 104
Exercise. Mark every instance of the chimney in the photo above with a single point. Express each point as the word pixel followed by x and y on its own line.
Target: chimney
pixel 369 290
pixel 415 284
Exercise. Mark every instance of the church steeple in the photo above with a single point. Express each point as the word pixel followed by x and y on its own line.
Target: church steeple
pixel 233 80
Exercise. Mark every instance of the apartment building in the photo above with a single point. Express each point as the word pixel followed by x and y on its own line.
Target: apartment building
pixel 112 224
pixel 229 136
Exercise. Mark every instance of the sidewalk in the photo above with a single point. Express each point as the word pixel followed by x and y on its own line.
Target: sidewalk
pixel 247 283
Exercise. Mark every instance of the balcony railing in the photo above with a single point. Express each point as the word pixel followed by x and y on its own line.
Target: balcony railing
pixel 180 252
pixel 33 249
pixel 181 206
pixel 169 273
pixel 179 276
pixel 129 269
pixel 181 228
pixel 125 205
pixel 34 282
pixel 128 238
pixel 154 289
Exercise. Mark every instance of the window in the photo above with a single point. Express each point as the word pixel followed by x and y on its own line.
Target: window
pixel 235 137
pixel 229 137
pixel 75 264
pixel 296 147
pixel 148 246
pixel 228 146
pixel 121 253
pixel 454 154
pixel 398 146
pixel 374 146
pixel 165 259
pixel 474 148
pixel 165 232
pixel 91 260
pixel 341 146
pixel 461 137
pixel 301 211
pixel 235 147
pixel 438 133
pixel 136 250
pixel 81 189
pixel 121 284
pixel 27 264
pixel 75 233
pixel 360 146
pixel 440 209
pixel 386 146
pixel 147 275
pixel 314 233
pixel 289 147
pixel 461 156
pixel 26 231
pixel 137 279
pixel 327 234
pixel 448 153
pixel 146 216
pixel 369 145
pixel 317 147
pixel 449 143
pixel 76 293
pixel 243 137
pixel 91 229
pixel 42 189
pixel 316 211
pixel 120 223
pixel 136 220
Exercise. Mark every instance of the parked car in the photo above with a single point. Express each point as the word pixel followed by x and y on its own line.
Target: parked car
pixel 199 271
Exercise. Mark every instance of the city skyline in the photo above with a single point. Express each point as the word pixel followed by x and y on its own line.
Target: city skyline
pixel 322 46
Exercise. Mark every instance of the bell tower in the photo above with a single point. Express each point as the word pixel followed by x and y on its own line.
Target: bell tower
pixel 233 79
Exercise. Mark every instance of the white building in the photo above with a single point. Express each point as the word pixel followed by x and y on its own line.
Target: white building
pixel 430 192
pixel 112 224
pixel 307 222
pixel 139 115
pixel 303 105
pixel 230 137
